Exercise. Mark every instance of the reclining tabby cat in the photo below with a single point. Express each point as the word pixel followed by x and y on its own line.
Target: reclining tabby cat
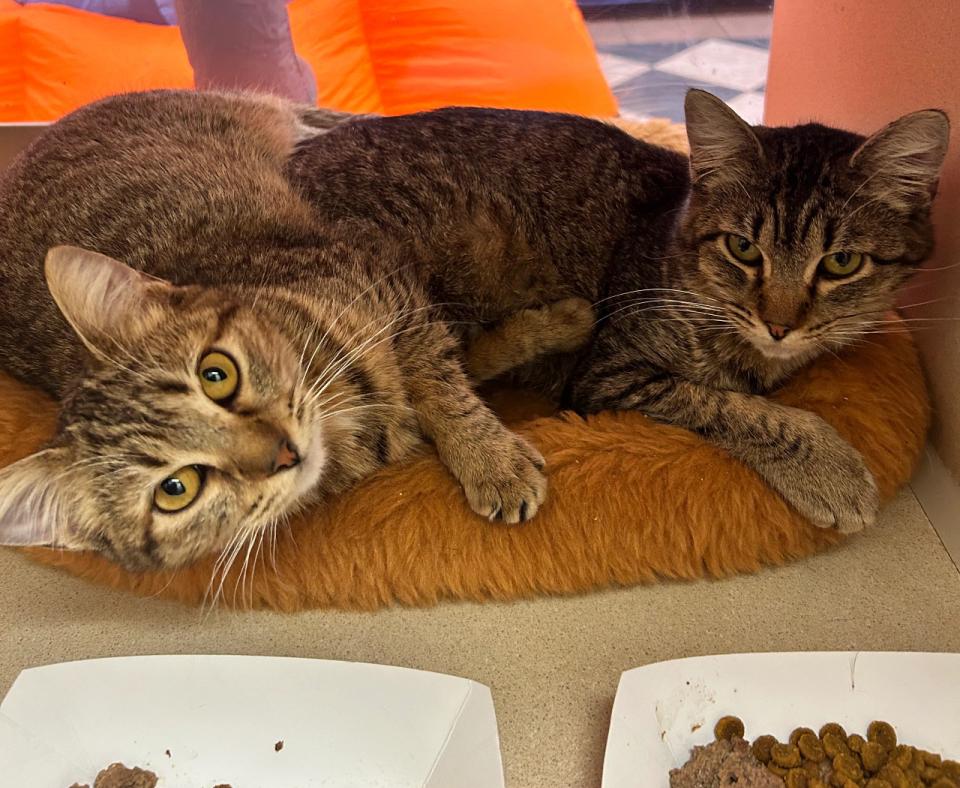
pixel 244 365
pixel 715 277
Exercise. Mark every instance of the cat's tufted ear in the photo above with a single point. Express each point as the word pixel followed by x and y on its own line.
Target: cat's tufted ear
pixel 35 502
pixel 99 296
pixel 723 147
pixel 902 161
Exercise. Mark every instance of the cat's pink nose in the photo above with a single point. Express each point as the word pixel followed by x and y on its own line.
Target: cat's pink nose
pixel 287 456
pixel 778 331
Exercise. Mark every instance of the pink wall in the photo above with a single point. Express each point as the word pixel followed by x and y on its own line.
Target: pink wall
pixel 859 64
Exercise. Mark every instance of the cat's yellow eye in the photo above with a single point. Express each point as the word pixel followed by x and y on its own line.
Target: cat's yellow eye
pixel 841 264
pixel 743 250
pixel 179 489
pixel 218 375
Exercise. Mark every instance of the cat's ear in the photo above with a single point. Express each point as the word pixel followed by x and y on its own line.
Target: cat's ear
pixel 99 296
pixel 35 502
pixel 902 161
pixel 723 147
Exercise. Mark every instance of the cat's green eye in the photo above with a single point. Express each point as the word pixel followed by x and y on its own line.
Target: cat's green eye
pixel 218 375
pixel 743 250
pixel 178 490
pixel 841 264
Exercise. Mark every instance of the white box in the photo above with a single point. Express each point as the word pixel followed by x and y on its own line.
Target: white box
pixel 664 709
pixel 341 724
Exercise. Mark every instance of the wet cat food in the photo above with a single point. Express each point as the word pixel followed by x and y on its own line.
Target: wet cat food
pixel 116 775
pixel 828 759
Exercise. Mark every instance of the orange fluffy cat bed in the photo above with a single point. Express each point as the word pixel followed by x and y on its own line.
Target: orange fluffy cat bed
pixel 630 501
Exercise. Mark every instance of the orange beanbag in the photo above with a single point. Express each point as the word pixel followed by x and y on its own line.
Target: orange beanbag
pixel 381 56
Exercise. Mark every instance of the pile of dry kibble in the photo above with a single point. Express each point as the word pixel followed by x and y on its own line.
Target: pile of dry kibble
pixel 832 759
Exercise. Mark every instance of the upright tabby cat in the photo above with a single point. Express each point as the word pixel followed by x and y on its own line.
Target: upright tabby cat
pixel 716 277
pixel 244 365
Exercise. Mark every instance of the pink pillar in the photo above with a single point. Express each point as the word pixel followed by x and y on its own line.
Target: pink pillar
pixel 858 64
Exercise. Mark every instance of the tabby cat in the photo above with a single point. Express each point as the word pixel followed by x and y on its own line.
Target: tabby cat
pixel 716 277
pixel 238 364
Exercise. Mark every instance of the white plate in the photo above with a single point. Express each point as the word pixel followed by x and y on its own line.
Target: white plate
pixel 664 709
pixel 341 724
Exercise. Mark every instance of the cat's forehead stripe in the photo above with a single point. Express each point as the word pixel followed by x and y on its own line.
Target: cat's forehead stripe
pixel 224 319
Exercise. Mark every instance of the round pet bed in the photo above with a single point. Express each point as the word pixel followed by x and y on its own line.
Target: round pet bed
pixel 630 501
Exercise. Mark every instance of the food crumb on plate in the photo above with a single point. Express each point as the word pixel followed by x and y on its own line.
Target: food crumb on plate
pixel 278 746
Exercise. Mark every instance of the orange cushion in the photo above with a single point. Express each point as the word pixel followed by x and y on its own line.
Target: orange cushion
pixel 11 66
pixel 368 56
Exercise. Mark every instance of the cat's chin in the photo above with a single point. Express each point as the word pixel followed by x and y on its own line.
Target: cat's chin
pixel 779 351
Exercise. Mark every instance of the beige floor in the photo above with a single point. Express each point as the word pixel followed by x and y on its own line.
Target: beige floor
pixel 553 664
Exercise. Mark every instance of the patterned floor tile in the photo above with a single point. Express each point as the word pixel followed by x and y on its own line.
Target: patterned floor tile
pixel 618 69
pixel 658 94
pixel 649 53
pixel 650 79
pixel 717 62
pixel 748 106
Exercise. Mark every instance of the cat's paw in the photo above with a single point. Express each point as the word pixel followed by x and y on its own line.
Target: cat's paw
pixel 504 480
pixel 832 487
pixel 567 324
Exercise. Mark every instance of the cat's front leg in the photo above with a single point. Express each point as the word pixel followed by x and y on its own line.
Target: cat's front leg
pixel 795 452
pixel 500 472
pixel 528 335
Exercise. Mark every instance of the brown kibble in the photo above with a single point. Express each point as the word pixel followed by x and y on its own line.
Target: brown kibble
pixel 894 775
pixel 873 756
pixel 812 768
pixel 810 747
pixel 846 765
pixel 835 728
pixel 882 733
pixel 727 728
pixel 786 755
pixel 902 756
pixel 278 746
pixel 833 746
pixel 914 779
pixel 761 747
pixel 223 785
pixel 855 742
pixel 796 778
pixel 832 759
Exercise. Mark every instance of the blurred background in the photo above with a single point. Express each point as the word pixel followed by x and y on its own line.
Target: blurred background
pixel 651 51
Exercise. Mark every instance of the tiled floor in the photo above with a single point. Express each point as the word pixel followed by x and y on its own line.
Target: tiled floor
pixel 651 62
